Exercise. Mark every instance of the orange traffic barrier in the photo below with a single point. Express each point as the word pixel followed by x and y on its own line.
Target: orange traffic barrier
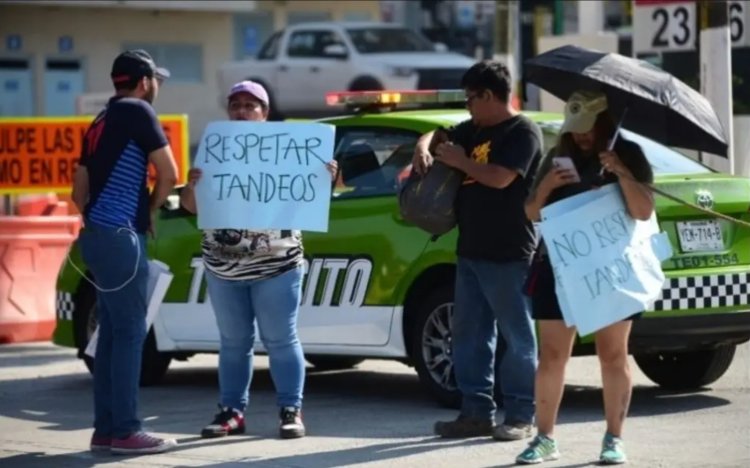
pixel 40 205
pixel 32 249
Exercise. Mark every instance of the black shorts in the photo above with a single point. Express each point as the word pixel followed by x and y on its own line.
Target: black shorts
pixel 541 288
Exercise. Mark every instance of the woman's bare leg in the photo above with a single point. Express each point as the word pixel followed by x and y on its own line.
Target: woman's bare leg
pixel 612 349
pixel 555 343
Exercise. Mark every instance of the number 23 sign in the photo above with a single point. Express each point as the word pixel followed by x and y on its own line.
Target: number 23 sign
pixel 671 25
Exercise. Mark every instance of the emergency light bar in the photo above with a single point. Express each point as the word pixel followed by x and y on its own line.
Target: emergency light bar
pixel 385 98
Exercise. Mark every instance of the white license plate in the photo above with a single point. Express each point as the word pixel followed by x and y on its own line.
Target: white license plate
pixel 700 236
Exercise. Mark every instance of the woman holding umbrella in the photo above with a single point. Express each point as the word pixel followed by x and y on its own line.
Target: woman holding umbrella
pixel 582 161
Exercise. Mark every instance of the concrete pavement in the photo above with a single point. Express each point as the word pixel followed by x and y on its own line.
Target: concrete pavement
pixel 374 415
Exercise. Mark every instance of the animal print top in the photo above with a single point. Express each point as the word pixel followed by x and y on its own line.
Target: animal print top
pixel 234 254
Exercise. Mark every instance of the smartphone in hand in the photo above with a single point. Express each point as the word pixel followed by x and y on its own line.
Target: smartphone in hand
pixel 564 162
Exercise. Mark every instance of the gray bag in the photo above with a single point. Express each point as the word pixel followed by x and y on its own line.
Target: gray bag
pixel 428 201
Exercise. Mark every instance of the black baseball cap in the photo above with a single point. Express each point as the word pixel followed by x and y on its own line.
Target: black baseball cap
pixel 135 64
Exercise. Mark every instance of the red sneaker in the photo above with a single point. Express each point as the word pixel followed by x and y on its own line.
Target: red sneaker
pixel 227 422
pixel 141 442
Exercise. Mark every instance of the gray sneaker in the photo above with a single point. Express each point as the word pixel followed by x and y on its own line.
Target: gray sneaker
pixel 512 431
pixel 464 427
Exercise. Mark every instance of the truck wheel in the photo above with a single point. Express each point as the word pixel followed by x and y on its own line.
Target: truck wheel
pixel 366 83
pixel 154 363
pixel 431 349
pixel 686 370
pixel 325 362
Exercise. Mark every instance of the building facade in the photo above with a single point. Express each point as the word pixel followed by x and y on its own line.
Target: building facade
pixel 53 52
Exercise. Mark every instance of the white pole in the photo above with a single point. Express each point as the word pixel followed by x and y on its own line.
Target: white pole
pixel 716 73
pixel 590 17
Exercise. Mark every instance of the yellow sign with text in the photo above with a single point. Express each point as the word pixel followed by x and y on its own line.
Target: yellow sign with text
pixel 40 154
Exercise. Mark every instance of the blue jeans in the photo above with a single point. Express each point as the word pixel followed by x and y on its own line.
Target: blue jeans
pixel 274 303
pixel 110 255
pixel 489 294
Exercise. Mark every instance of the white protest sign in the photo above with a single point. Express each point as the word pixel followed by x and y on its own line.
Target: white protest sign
pixel 264 175
pixel 607 265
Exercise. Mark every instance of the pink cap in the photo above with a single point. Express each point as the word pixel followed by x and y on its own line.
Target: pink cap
pixel 251 87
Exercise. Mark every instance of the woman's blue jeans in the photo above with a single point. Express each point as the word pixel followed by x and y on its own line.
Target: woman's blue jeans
pixel 274 303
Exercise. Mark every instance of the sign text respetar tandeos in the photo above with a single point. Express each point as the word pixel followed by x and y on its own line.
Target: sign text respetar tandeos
pixel 40 154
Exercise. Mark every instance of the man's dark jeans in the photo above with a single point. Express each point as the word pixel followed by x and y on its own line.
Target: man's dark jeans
pixel 490 293
pixel 114 256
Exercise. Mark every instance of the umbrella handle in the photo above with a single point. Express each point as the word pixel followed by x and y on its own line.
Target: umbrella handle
pixel 613 140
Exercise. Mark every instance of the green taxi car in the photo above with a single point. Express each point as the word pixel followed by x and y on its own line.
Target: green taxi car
pixel 377 287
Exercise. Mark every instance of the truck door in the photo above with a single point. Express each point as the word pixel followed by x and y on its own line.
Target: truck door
pixel 308 69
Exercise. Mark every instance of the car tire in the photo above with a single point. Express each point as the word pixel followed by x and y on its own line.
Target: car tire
pixel 325 362
pixel 686 370
pixel 154 363
pixel 430 342
pixel 366 83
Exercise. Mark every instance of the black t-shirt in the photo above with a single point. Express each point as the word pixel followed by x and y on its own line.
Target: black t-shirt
pixel 115 153
pixel 589 170
pixel 492 224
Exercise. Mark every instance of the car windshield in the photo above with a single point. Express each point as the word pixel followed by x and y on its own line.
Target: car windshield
pixel 383 40
pixel 663 160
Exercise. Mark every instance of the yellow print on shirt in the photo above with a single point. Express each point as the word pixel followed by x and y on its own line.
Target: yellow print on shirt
pixel 480 154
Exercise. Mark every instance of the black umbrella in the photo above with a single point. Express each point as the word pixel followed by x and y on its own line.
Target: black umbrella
pixel 658 105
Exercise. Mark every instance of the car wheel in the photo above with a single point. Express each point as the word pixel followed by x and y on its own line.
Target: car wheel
pixel 431 349
pixel 154 363
pixel 686 370
pixel 324 362
pixel 366 83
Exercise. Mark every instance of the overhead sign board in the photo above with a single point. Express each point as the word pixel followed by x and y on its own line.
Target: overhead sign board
pixel 672 25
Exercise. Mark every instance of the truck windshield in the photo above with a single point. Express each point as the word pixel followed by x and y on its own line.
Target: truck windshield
pixel 383 40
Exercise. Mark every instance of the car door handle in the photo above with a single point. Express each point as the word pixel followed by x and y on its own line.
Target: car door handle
pixel 283 68
pixel 314 69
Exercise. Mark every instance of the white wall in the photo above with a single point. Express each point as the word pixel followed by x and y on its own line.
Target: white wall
pixel 98 36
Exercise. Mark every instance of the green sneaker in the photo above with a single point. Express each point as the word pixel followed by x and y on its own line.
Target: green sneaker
pixel 540 449
pixel 613 451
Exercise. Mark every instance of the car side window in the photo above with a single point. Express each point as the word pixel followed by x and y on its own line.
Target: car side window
pixel 271 48
pixel 312 44
pixel 373 161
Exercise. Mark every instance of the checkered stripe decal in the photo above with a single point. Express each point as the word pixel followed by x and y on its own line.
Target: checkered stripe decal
pixel 705 292
pixel 64 305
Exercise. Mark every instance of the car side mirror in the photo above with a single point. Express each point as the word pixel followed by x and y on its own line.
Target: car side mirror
pixel 440 47
pixel 337 51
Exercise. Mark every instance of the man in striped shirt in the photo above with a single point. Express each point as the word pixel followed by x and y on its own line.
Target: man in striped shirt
pixel 110 190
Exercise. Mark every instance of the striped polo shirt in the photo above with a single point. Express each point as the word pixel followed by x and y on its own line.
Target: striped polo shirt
pixel 115 153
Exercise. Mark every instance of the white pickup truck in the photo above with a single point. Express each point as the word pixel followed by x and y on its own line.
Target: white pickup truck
pixel 300 64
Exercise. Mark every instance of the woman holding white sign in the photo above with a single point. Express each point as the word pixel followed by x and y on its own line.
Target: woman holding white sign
pixel 254 276
pixel 583 160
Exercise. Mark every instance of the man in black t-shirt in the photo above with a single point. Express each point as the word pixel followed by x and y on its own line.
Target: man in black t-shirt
pixel 110 190
pixel 499 151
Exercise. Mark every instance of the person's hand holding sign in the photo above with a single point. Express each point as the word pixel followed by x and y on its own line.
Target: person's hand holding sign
pixel 187 195
pixel 194 175
pixel 332 166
